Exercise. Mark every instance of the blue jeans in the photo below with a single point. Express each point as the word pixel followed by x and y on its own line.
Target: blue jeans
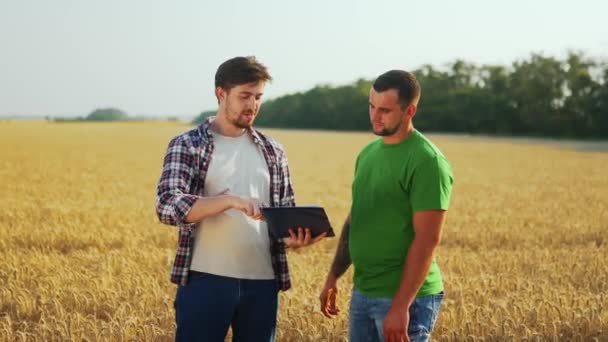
pixel 367 317
pixel 209 304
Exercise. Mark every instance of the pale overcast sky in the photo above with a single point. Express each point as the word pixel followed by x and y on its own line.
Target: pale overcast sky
pixel 158 58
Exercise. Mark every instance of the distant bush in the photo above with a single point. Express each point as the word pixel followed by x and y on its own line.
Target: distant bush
pixel 98 115
pixel 107 114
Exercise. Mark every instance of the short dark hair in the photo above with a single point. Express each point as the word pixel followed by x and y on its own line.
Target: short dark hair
pixel 240 70
pixel 404 82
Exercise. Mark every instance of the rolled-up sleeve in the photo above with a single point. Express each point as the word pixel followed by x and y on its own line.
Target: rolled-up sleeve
pixel 173 200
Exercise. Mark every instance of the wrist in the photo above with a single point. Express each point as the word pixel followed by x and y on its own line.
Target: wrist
pixel 230 201
pixel 331 279
pixel 401 302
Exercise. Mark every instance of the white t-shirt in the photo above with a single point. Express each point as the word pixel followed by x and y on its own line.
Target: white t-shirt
pixel 232 244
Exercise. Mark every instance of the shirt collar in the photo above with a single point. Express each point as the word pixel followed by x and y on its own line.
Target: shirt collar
pixel 204 130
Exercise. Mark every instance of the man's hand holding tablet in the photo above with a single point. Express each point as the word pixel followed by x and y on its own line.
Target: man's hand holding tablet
pixel 299 226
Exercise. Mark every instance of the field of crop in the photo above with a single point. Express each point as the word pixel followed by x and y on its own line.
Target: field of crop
pixel 524 251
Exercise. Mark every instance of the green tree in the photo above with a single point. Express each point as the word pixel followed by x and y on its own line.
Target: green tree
pixel 577 112
pixel 537 89
pixel 107 114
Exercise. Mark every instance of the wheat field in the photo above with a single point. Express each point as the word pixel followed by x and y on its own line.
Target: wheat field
pixel 524 251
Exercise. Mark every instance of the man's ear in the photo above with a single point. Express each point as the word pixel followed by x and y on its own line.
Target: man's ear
pixel 411 110
pixel 220 94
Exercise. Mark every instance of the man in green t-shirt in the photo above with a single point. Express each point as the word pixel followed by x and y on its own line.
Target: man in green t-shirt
pixel 400 194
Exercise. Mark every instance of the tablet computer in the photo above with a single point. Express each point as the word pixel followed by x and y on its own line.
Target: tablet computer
pixel 281 219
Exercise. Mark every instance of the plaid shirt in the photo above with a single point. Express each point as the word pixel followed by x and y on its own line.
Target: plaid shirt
pixel 183 180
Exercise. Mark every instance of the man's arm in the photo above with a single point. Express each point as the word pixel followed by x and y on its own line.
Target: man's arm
pixel 427 227
pixel 340 264
pixel 173 200
pixel 210 206
pixel 431 189
pixel 174 203
pixel 342 258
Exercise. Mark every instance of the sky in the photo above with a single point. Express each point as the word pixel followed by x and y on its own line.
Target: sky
pixel 158 58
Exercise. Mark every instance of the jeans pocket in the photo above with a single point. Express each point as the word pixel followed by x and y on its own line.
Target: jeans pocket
pixel 423 314
pixel 437 300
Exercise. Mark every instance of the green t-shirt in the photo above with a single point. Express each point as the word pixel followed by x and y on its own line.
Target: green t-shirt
pixel 391 183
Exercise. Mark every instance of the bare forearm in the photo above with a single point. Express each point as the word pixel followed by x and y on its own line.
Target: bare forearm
pixel 342 259
pixel 205 207
pixel 417 264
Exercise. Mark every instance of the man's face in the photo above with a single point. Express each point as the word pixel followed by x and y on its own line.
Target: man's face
pixel 385 112
pixel 242 103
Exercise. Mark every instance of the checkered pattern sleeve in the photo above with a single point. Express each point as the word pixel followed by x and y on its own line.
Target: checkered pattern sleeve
pixel 173 198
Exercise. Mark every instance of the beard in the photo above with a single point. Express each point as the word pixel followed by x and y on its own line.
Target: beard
pixel 241 121
pixel 388 131
pixel 239 118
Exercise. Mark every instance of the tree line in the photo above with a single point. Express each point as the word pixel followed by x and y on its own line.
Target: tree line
pixel 537 96
pixel 106 115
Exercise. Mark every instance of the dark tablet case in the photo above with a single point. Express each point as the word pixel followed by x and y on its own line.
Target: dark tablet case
pixel 280 219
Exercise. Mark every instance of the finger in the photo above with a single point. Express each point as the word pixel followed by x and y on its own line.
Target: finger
pixel 388 334
pixel 258 208
pixel 323 300
pixel 292 235
pixel 319 237
pixel 332 301
pixel 306 236
pixel 328 303
pixel 256 211
pixel 256 215
pixel 300 235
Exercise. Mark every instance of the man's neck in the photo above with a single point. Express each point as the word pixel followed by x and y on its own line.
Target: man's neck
pixel 224 127
pixel 400 135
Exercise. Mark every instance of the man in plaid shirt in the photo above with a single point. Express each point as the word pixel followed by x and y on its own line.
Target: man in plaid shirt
pixel 214 180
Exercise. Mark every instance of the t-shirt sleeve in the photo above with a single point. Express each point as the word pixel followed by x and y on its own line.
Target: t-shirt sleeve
pixel 431 186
